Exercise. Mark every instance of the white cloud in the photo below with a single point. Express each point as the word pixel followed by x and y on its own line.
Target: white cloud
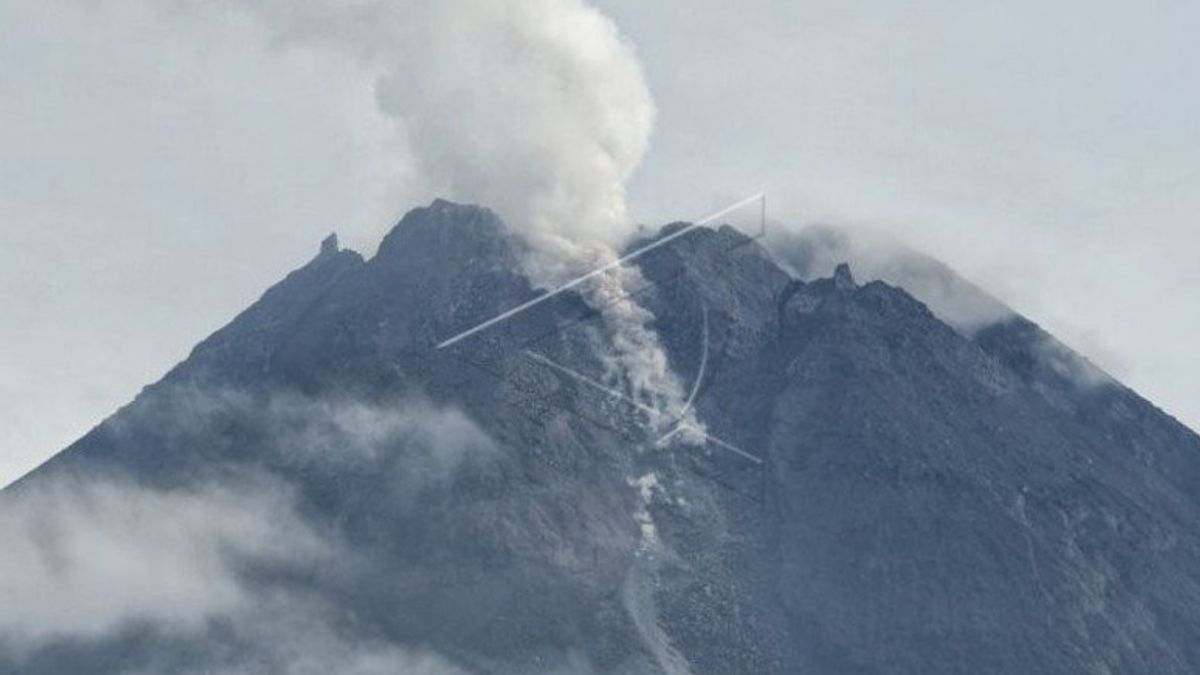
pixel 343 430
pixel 814 252
pixel 86 559
pixel 429 442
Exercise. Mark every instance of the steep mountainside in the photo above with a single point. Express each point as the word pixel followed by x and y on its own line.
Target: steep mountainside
pixel 883 493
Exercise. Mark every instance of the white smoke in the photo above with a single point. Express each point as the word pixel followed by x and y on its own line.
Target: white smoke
pixel 536 108
pixel 636 360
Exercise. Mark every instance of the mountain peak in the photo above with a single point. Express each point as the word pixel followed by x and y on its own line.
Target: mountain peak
pixel 447 208
pixel 843 280
pixel 448 227
pixel 329 244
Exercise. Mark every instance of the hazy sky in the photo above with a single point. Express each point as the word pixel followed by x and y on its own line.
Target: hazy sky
pixel 157 173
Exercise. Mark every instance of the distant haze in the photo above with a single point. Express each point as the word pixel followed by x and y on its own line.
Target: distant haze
pixel 160 167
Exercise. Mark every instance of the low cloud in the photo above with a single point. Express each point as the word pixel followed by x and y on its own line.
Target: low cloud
pixel 1065 363
pixel 86 559
pixel 90 560
pixel 334 431
pixel 348 430
pixel 815 251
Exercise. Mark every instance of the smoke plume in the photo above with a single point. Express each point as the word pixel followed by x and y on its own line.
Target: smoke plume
pixel 535 108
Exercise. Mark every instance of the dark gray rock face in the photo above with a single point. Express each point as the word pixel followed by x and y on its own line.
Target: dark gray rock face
pixel 925 501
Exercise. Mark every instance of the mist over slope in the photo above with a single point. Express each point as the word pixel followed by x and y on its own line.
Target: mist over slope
pixel 885 490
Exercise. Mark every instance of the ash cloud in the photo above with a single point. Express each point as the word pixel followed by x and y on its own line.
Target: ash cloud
pixel 537 108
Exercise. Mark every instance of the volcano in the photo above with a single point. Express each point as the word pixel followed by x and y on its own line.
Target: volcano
pixel 878 489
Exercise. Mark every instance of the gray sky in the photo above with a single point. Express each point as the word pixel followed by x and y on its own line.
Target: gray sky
pixel 156 175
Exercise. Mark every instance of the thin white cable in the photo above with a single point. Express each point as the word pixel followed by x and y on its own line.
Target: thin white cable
pixel 691 399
